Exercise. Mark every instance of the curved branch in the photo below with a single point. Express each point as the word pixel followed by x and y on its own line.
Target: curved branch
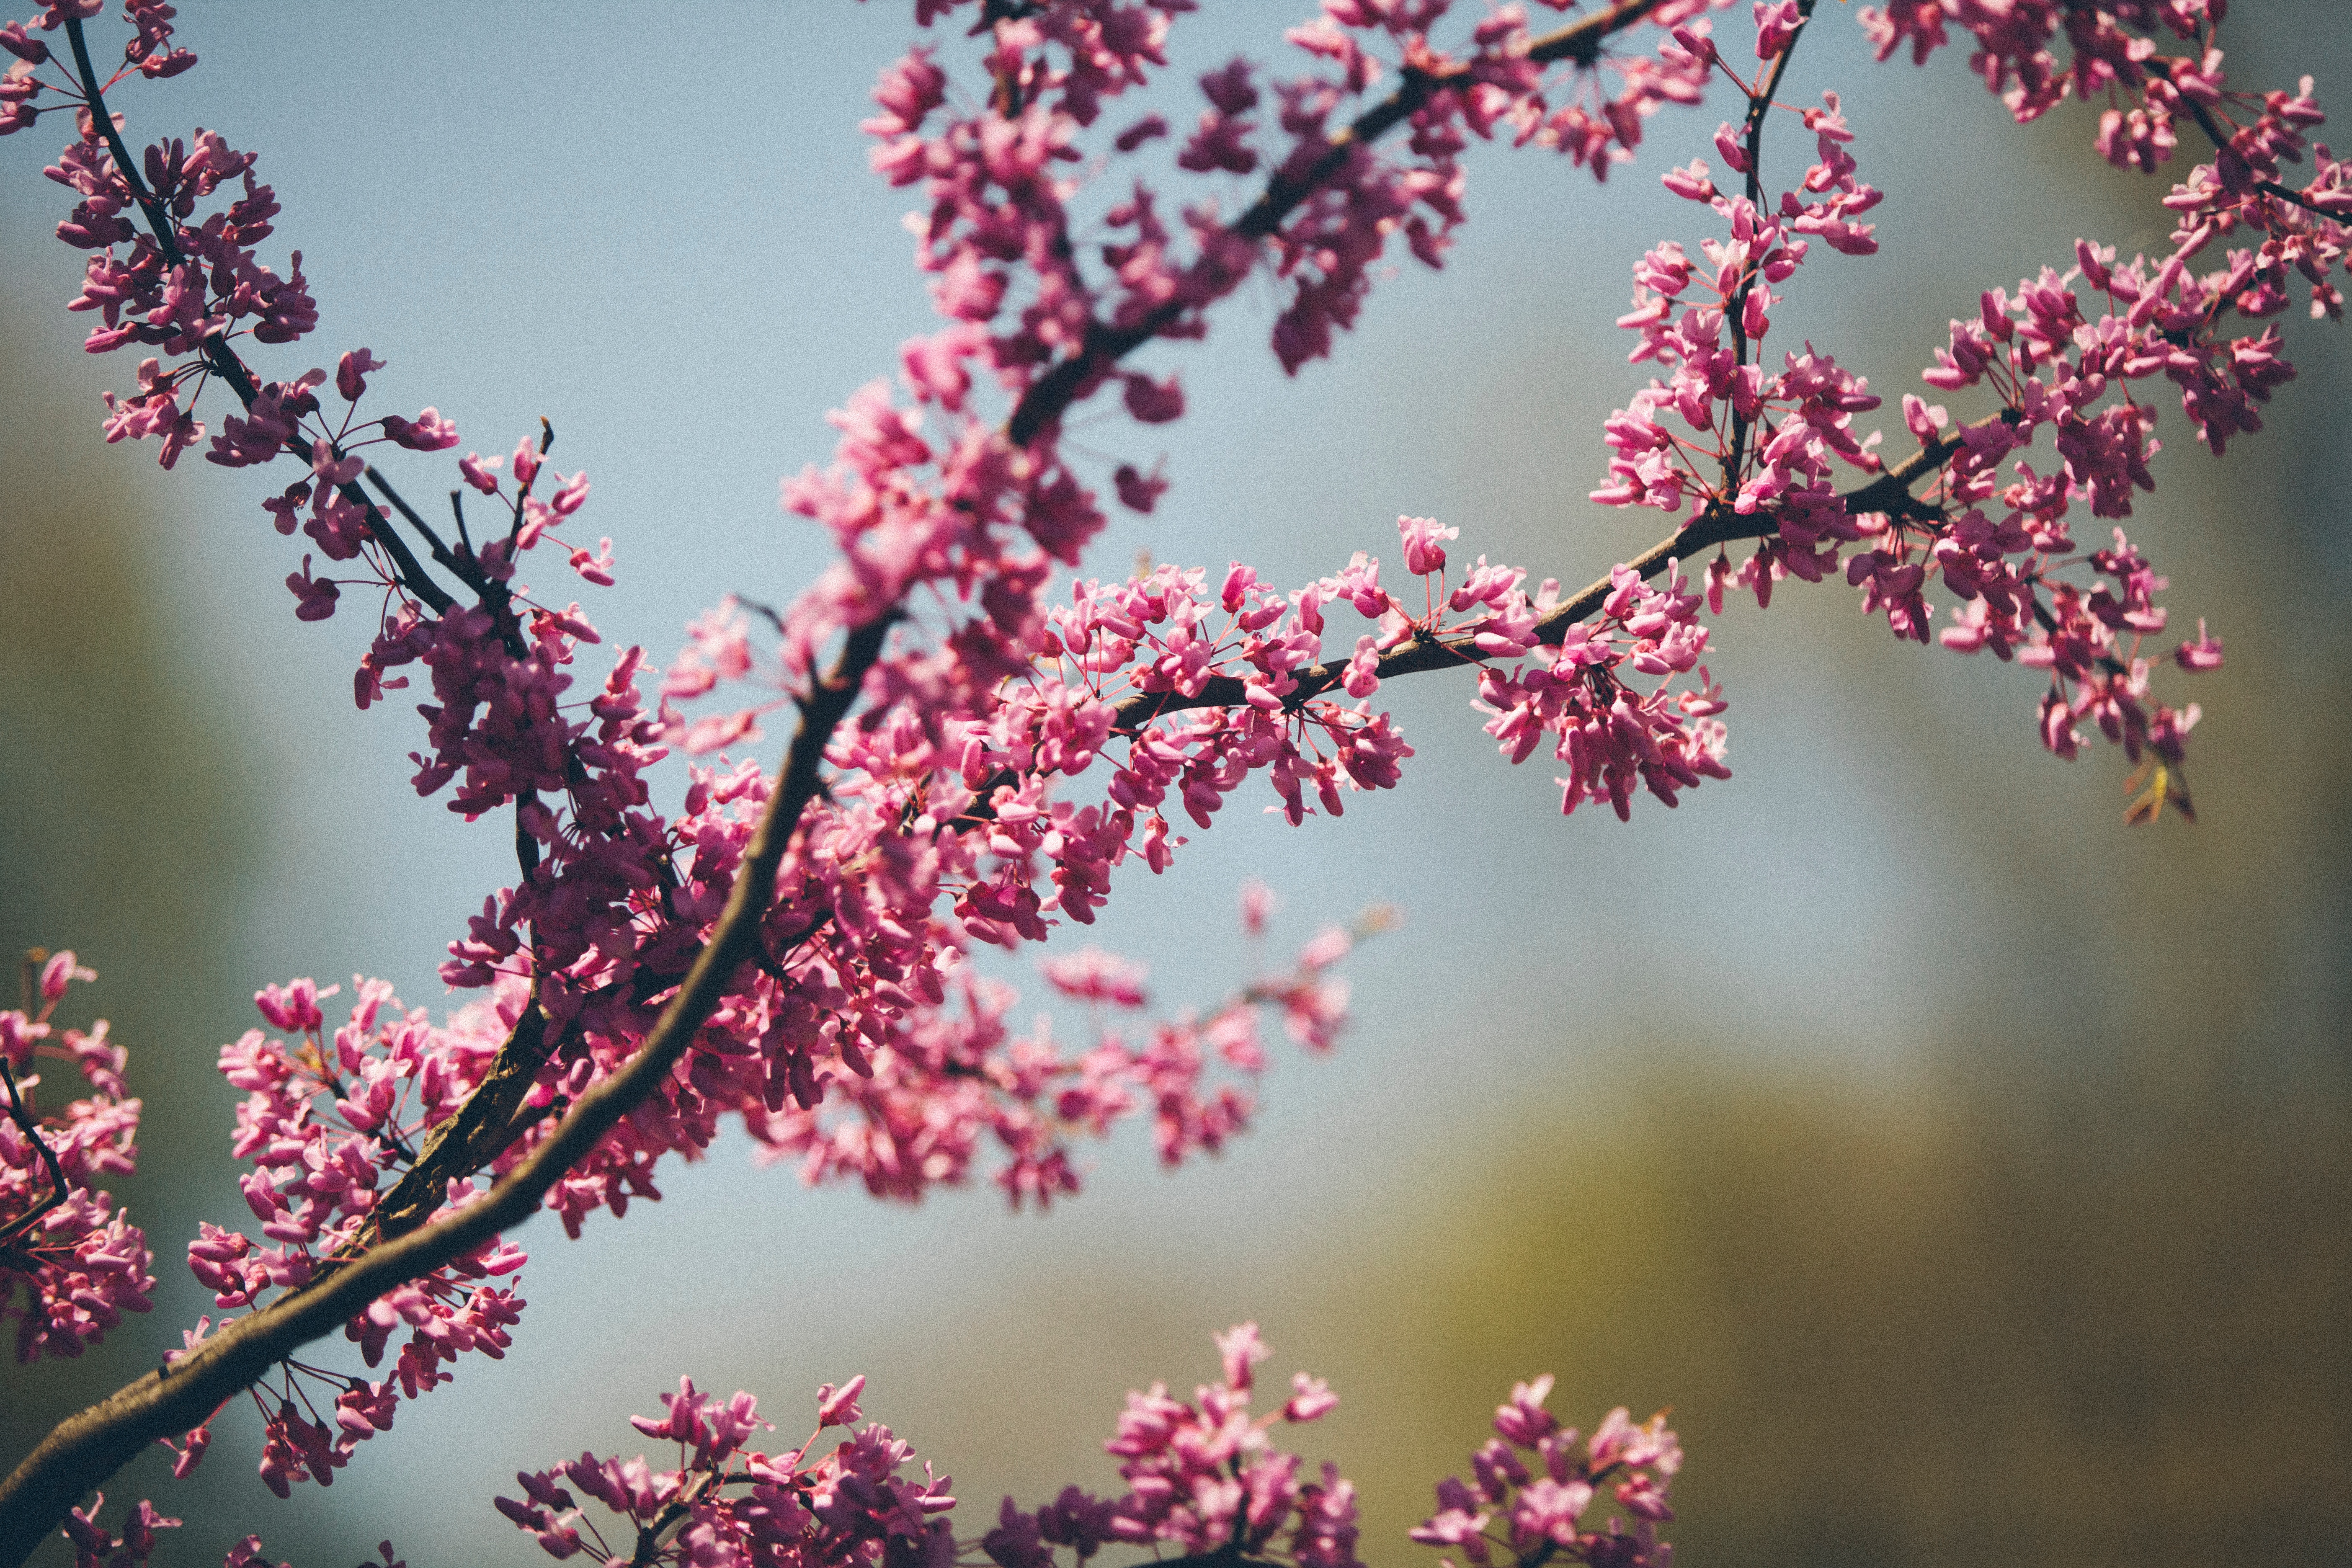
pixel 217 355
pixel 1051 394
pixel 86 1448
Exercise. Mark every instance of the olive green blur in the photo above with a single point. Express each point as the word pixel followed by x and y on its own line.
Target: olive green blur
pixel 130 801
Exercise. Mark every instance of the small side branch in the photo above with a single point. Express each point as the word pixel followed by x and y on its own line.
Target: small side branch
pixel 1719 524
pixel 22 1115
pixel 1051 394
pixel 2222 139
pixel 218 357
pixel 1735 310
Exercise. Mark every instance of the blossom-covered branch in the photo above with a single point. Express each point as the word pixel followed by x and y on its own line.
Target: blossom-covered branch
pixel 184 1395
pixel 71 1263
pixel 796 951
pixel 1340 162
pixel 1205 1479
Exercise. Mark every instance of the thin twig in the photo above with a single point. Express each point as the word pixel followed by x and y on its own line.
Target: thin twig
pixel 215 352
pixel 22 1115
pixel 1051 394
pixel 1719 524
pixel 1890 492
pixel 2223 141
pixel 469 575
pixel 489 592
pixel 1736 307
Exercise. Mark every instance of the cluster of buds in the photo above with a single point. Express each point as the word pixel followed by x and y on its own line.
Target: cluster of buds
pixel 723 1506
pixel 1530 1491
pixel 71 1263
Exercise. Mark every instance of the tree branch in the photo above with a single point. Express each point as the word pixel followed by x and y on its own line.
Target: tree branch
pixel 2161 65
pixel 22 1115
pixel 475 1134
pixel 1735 310
pixel 1719 524
pixel 83 1450
pixel 1051 394
pixel 217 354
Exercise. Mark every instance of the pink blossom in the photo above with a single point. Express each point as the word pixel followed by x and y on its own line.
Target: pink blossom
pixel 1091 975
pixel 1424 550
pixel 428 432
pixel 350 373
pixel 2205 653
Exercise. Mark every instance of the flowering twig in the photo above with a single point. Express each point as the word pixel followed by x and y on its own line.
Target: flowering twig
pixel 1890 492
pixel 1050 397
pixel 1760 105
pixel 2215 132
pixel 217 355
pixel 22 1115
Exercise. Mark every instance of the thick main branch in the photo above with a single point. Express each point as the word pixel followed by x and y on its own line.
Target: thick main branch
pixel 85 1449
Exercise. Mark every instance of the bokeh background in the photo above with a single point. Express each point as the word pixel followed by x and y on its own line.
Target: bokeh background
pixel 1970 1174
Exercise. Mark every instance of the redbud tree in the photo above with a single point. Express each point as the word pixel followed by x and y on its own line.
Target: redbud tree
pixel 960 735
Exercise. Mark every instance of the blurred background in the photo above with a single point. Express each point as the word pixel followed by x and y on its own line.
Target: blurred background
pixel 1969 1174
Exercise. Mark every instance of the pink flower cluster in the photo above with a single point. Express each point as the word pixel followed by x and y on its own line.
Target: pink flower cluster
pixel 1529 1491
pixel 2106 59
pixel 329 1123
pixel 997 237
pixel 1202 1477
pixel 188 285
pixel 2049 363
pixel 70 1262
pixel 2147 93
pixel 95 1546
pixel 1612 735
pixel 1704 323
pixel 849 1507
pixel 183 299
pixel 148 52
pixel 999 178
pixel 1506 82
pixel 955 1076
pixel 1160 635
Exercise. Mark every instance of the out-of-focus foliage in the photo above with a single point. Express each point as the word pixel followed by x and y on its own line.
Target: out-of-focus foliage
pixel 2032 1315
pixel 128 800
